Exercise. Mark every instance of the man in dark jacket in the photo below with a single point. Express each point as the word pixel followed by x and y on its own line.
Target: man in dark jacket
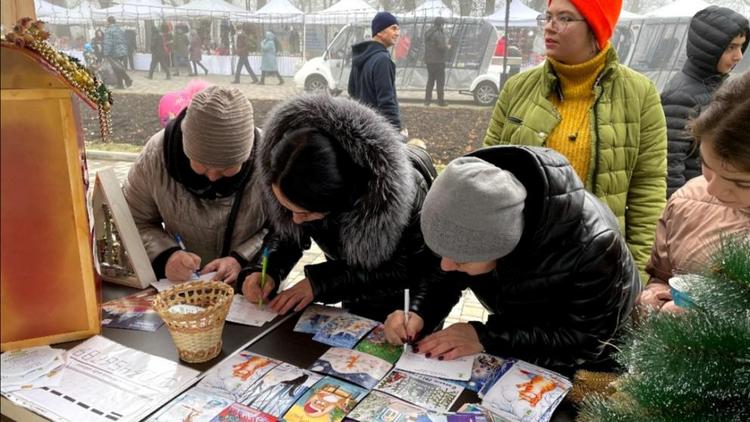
pixel 242 48
pixel 372 80
pixel 546 257
pixel 717 38
pixel 372 241
pixel 435 51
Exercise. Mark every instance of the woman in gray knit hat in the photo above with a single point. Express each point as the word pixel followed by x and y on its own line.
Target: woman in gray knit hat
pixel 545 257
pixel 195 179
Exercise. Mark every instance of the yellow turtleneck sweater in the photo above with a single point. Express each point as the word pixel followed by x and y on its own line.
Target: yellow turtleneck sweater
pixel 572 137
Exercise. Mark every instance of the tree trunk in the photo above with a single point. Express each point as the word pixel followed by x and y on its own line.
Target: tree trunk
pixel 464 6
pixel 410 5
pixel 489 7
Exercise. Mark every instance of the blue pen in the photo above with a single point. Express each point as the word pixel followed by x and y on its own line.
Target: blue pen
pixel 181 244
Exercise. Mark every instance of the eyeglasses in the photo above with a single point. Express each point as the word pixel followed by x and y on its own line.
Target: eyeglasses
pixel 559 23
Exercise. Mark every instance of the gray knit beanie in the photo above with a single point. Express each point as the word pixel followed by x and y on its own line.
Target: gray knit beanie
pixel 218 129
pixel 473 212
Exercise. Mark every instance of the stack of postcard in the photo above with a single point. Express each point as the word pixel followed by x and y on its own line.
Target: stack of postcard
pixel 35 367
pixel 525 392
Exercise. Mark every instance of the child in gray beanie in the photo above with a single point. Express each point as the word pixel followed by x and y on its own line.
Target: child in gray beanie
pixel 543 255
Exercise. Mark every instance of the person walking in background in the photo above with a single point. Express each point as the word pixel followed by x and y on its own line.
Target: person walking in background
pixel 97 44
pixel 717 38
pixel 605 118
pixel 372 80
pixel 181 49
pixel 708 207
pixel 294 43
pixel 435 51
pixel 196 52
pixel 158 54
pixel 130 38
pixel 167 38
pixel 268 64
pixel 115 47
pixel 243 50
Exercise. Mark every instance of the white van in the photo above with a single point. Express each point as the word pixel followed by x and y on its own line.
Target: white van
pixel 470 68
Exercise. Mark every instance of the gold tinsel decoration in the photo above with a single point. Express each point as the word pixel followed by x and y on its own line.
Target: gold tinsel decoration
pixel 586 383
pixel 31 34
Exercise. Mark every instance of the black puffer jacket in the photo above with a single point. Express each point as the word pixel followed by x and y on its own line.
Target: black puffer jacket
pixel 711 31
pixel 375 249
pixel 567 287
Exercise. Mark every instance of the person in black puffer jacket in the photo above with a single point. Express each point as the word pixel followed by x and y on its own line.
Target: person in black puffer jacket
pixel 717 38
pixel 336 172
pixel 543 255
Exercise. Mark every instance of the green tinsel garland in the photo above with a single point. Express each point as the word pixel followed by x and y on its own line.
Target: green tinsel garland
pixel 694 366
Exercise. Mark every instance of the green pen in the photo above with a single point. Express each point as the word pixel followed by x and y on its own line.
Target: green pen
pixel 263 270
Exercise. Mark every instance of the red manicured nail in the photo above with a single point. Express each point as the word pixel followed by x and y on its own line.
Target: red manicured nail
pixel 440 358
pixel 415 349
pixel 427 355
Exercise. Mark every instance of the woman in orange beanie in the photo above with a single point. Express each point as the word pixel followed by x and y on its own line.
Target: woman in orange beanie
pixel 604 117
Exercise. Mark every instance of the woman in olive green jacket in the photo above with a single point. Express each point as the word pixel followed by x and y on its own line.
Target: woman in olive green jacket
pixel 604 117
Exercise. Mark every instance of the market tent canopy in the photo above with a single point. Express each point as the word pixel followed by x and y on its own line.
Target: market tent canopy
pixel 431 9
pixel 45 9
pixel 278 10
pixel 77 15
pixel 135 10
pixel 680 8
pixel 629 16
pixel 207 9
pixel 520 15
pixel 343 12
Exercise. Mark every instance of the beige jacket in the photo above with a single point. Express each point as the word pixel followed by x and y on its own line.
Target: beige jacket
pixel 688 232
pixel 162 207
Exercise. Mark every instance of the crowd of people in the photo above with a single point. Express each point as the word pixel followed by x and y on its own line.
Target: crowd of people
pixel 174 48
pixel 557 224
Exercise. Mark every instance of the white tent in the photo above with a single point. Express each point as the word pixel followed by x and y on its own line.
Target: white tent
pixel 45 9
pixel 629 16
pixel 134 10
pixel 207 8
pixel 76 15
pixel 343 12
pixel 680 8
pixel 520 15
pixel 279 10
pixel 431 8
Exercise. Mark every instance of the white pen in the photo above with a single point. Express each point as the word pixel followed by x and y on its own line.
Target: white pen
pixel 406 315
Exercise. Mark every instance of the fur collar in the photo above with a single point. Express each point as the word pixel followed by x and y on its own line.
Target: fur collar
pixel 370 232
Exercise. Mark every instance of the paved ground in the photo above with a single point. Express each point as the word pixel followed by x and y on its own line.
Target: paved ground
pixel 159 85
pixel 468 309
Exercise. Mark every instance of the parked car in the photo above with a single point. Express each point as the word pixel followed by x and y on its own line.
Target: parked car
pixel 470 68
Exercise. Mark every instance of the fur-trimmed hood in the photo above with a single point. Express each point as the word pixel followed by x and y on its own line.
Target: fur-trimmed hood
pixel 370 232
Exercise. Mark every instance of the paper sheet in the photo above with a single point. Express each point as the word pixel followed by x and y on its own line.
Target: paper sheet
pixel 105 381
pixel 245 312
pixel 456 369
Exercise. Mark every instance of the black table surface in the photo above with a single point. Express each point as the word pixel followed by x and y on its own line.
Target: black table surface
pixel 159 342
pixel 276 339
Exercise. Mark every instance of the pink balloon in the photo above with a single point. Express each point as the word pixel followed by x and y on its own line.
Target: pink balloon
pixel 173 102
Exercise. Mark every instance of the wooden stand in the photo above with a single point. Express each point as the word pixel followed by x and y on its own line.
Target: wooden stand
pixel 48 287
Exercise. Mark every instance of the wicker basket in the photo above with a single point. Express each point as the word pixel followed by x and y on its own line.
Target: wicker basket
pixel 197 336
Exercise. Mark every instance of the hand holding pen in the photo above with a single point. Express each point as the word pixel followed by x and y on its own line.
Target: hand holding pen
pixel 182 265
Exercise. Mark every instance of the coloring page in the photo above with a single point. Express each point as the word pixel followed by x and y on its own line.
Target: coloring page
pixel 430 393
pixel 353 366
pixel 344 330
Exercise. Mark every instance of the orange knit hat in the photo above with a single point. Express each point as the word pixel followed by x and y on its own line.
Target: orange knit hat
pixel 600 15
